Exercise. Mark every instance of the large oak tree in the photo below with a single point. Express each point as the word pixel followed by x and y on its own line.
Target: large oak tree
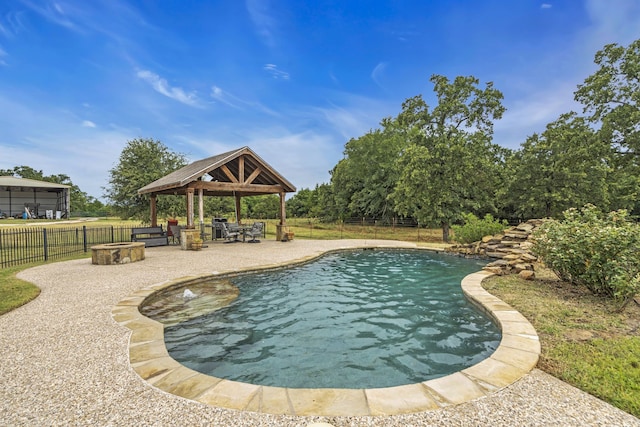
pixel 450 166
pixel 612 98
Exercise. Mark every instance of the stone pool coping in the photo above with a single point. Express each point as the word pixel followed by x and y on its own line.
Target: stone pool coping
pixel 516 355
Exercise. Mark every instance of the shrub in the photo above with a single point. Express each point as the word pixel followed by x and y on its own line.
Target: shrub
pixel 595 250
pixel 474 229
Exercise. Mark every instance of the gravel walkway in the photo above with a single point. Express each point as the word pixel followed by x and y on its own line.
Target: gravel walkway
pixel 64 360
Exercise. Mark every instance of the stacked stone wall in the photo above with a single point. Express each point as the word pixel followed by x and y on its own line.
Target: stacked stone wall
pixel 510 250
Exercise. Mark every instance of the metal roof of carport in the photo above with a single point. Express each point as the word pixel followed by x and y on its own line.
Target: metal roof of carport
pixel 12 181
pixel 238 172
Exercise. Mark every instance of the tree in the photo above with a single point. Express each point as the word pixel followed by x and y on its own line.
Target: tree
pixel 141 162
pixel 612 96
pixel 301 203
pixel 218 207
pixel 450 166
pixel 363 180
pixel 324 203
pixel 262 207
pixel 567 166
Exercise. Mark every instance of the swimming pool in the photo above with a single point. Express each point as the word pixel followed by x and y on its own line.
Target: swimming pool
pixel 357 319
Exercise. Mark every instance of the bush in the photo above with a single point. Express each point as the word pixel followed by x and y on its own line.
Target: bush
pixel 474 229
pixel 595 250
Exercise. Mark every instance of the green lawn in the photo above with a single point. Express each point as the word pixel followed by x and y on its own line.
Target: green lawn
pixel 13 291
pixel 585 341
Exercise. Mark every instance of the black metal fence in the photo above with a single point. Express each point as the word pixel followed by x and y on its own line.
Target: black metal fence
pixel 25 245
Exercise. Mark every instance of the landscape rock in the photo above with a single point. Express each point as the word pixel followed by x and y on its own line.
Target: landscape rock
pixel 511 250
pixel 527 275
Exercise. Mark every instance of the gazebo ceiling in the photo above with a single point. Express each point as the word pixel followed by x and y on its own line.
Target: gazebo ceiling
pixel 234 173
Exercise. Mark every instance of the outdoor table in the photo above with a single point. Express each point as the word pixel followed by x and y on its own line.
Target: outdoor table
pixel 243 229
pixel 240 229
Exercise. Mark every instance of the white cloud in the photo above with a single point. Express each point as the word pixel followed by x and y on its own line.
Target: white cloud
pixel 162 86
pixel 4 31
pixel 220 95
pixel 613 23
pixel 88 124
pixel 233 101
pixel 264 23
pixel 275 72
pixel 55 13
pixel 377 73
pixel 355 115
pixel 546 6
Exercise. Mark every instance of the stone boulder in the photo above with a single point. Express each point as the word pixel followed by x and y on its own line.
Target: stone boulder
pixel 510 249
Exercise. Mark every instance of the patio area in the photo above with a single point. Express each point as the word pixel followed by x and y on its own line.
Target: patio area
pixel 66 359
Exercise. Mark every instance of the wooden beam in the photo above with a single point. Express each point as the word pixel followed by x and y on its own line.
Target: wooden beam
pixel 228 186
pixel 241 169
pixel 228 173
pixel 253 176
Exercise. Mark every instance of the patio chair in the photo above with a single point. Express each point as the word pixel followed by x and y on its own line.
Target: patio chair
pixel 255 231
pixel 228 235
pixel 175 233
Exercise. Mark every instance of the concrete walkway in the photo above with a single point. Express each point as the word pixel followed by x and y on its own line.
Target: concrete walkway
pixel 65 360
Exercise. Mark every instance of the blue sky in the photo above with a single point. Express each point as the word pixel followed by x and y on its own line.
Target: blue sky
pixel 293 80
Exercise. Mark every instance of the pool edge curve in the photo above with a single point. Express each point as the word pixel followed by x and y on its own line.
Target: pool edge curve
pixel 516 355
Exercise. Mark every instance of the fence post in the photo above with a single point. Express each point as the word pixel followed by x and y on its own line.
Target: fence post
pixel 112 238
pixel 84 237
pixel 46 246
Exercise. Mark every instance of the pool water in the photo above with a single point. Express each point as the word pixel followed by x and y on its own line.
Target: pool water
pixel 356 319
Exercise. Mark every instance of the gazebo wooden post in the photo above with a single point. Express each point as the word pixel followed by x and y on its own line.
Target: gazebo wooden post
pixel 190 192
pixel 238 214
pixel 154 211
pixel 201 211
pixel 281 228
pixel 283 213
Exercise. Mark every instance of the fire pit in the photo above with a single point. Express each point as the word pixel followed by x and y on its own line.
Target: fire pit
pixel 117 253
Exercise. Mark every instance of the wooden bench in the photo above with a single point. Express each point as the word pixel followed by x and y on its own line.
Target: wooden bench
pixel 151 236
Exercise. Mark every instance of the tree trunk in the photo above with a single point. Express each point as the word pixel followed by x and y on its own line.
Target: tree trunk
pixel 445 232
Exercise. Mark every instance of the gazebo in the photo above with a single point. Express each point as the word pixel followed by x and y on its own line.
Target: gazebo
pixel 236 173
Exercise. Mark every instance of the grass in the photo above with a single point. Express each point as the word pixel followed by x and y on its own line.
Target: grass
pixel 13 291
pixel 585 342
